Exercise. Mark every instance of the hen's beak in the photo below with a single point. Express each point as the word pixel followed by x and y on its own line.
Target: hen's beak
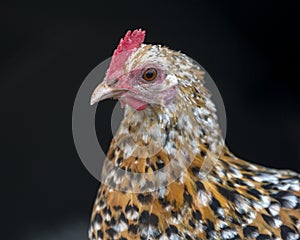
pixel 103 91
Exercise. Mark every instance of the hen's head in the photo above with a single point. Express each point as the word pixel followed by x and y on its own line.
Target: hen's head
pixel 143 75
pixel 170 110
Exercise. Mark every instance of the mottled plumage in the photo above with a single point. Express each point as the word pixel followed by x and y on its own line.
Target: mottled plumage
pixel 212 194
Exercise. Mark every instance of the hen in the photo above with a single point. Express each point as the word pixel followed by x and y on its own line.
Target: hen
pixel 168 174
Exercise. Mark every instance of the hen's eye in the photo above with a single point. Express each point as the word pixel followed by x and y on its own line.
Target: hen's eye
pixel 150 74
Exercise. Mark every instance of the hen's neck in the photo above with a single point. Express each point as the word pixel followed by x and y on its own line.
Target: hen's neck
pixel 149 140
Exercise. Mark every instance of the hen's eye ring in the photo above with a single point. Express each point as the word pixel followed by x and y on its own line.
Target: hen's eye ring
pixel 150 74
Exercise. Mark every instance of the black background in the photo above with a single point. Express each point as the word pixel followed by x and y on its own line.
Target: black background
pixel 250 48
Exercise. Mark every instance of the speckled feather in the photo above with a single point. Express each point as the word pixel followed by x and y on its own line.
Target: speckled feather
pixel 218 196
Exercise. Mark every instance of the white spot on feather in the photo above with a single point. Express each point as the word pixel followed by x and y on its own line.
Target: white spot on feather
pixel 274 209
pixel 264 177
pixel 228 233
pixel 203 197
pixel 120 227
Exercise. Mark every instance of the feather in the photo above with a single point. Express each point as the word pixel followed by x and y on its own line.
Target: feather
pixel 169 175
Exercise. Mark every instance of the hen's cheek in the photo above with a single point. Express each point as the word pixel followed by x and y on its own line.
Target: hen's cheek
pixel 143 107
pixel 132 102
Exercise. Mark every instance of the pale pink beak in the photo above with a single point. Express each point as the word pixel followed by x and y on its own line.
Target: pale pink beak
pixel 103 91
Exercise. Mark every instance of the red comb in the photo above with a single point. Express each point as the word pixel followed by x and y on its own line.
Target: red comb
pixel 130 42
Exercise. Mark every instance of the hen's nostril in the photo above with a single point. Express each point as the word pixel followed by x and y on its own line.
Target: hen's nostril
pixel 112 82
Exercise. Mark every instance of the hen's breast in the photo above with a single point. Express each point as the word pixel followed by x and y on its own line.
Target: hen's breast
pixel 237 200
